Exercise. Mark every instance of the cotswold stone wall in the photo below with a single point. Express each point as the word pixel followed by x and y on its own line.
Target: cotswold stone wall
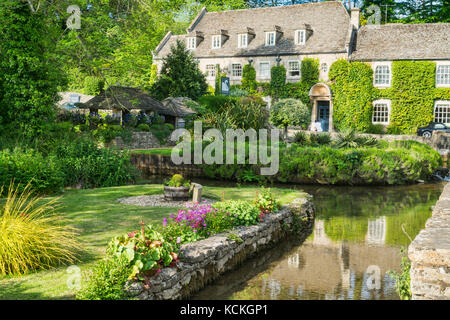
pixel 159 165
pixel 139 140
pixel 204 261
pixel 430 254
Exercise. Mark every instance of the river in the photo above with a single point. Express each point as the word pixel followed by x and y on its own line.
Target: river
pixel 359 235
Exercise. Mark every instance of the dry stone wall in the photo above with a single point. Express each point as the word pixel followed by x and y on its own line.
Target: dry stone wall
pixel 204 261
pixel 430 254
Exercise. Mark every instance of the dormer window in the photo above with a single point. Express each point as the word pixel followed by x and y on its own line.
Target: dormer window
pixel 242 40
pixel 270 38
pixel 191 43
pixel 300 37
pixel 216 41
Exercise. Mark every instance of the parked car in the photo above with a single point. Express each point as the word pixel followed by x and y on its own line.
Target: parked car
pixel 427 131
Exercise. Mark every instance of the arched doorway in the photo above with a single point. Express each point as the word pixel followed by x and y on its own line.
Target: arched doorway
pixel 322 106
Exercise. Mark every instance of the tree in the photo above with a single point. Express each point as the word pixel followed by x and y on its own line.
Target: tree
pixel 30 74
pixel 180 76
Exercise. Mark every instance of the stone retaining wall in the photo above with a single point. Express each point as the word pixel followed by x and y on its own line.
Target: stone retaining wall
pixel 430 254
pixel 204 261
pixel 139 140
pixel 160 165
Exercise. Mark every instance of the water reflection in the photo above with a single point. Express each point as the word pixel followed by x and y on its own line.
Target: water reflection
pixel 357 237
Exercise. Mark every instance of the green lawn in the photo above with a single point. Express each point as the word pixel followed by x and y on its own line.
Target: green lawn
pixel 99 217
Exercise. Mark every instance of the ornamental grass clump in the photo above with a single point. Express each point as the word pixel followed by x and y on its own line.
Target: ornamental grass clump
pixel 32 237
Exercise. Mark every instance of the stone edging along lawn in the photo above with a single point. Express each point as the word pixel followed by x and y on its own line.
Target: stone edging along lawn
pixel 204 261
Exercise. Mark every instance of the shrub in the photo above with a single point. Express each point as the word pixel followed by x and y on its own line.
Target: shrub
pixel 290 112
pixel 301 138
pixel 214 103
pixel 320 138
pixel 237 92
pixel 249 78
pixel 403 278
pixel 177 180
pixel 107 280
pixel 84 164
pixel 31 236
pixel 130 120
pixel 23 166
pixel 143 127
pixel 243 212
pixel 267 203
pixel 277 80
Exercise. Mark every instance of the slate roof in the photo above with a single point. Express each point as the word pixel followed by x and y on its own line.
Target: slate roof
pixel 329 21
pixel 403 42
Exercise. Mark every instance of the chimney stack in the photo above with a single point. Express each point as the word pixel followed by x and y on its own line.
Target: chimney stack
pixel 354 17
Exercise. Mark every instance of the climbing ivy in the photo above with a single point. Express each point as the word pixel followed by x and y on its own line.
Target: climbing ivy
pixel 352 95
pixel 277 80
pixel 249 78
pixel 412 94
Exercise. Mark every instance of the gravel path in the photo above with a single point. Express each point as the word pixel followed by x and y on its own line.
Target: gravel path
pixel 157 201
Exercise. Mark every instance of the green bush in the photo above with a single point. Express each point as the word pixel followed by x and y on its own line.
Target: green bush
pixel 320 138
pixel 143 127
pixel 277 80
pixel 107 280
pixel 178 180
pixel 214 103
pixel 290 112
pixel 23 166
pixel 243 212
pixel 301 138
pixel 84 164
pixel 249 79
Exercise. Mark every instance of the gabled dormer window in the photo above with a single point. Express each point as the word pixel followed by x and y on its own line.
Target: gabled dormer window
pixel 243 40
pixel 216 41
pixel 191 43
pixel 271 38
pixel 300 37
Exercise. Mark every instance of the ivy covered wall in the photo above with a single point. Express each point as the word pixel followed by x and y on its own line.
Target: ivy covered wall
pixel 412 94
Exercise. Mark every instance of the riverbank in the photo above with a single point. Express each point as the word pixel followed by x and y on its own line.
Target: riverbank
pixel 430 254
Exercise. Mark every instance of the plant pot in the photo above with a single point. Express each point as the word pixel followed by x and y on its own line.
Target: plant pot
pixel 176 193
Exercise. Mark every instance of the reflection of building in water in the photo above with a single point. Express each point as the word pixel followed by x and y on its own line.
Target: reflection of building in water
pixel 320 237
pixel 376 232
pixel 338 270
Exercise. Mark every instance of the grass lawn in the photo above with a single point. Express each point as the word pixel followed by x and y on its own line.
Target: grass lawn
pixel 99 217
pixel 160 151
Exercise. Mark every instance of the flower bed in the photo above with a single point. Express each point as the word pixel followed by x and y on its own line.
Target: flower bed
pixel 154 250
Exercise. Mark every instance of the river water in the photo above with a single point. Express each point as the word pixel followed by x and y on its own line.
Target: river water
pixel 358 236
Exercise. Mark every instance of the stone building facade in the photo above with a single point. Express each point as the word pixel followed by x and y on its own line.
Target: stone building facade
pixel 265 37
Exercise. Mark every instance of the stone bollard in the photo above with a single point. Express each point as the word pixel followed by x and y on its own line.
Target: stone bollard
pixel 197 193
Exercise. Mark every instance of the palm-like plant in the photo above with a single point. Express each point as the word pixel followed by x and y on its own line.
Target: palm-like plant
pixel 31 236
pixel 350 139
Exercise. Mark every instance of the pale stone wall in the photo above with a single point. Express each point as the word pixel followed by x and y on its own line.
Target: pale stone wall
pixel 204 261
pixel 430 254
pixel 139 140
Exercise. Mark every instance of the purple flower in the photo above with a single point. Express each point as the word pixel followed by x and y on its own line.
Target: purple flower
pixel 179 240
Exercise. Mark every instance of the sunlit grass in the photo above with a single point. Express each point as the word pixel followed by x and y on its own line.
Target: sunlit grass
pixel 98 217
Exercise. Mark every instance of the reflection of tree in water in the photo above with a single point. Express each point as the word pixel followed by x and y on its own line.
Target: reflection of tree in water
pixel 369 201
